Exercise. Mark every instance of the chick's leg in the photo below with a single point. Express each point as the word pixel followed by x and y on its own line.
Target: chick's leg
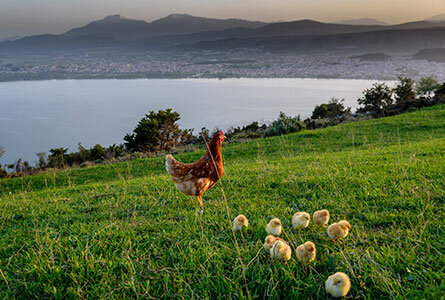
pixel 199 198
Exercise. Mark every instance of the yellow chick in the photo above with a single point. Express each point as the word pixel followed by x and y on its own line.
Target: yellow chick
pixel 321 217
pixel 270 240
pixel 339 230
pixel 338 285
pixel 301 220
pixel 239 222
pixel 306 252
pixel 280 251
pixel 274 227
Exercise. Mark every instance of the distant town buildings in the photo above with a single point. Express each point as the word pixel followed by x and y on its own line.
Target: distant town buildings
pixel 206 64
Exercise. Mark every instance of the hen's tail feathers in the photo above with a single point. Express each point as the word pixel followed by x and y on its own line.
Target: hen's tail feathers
pixel 170 164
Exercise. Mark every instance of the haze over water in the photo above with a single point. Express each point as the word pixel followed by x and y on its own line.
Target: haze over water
pixel 36 116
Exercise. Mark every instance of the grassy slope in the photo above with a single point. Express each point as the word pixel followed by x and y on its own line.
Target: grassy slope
pixel 123 230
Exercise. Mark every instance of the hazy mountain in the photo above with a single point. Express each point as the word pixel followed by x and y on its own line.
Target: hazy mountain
pixel 167 41
pixel 183 23
pixel 432 54
pixel 52 42
pixel 308 27
pixel 294 28
pixel 436 18
pixel 120 28
pixel 363 21
pixel 416 25
pixel 300 27
pixel 10 38
pixel 408 40
pixel 114 27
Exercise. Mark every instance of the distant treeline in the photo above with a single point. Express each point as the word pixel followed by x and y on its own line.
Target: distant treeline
pixel 158 132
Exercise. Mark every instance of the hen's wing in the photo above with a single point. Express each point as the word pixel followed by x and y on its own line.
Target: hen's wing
pixel 201 168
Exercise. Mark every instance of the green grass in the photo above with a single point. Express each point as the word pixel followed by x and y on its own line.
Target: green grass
pixel 123 230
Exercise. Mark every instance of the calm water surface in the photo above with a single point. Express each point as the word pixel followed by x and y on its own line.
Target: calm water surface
pixel 39 115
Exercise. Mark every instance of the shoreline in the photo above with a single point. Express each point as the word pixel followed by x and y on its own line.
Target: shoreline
pixel 196 78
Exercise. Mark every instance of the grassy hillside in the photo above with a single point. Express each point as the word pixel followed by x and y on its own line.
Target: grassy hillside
pixel 123 230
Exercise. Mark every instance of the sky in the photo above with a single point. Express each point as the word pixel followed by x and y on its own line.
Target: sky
pixel 26 17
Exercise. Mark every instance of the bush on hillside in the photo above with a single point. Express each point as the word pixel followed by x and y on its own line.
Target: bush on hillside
pixel 426 86
pixel 158 131
pixel 284 124
pixel 377 100
pixel 251 131
pixel 42 163
pixel 203 136
pixel 3 173
pixel 58 157
pixel 439 95
pixel 328 114
pixel 97 152
pixel 334 109
pixel 405 95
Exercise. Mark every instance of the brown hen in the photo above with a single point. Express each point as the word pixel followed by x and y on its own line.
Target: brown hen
pixel 196 178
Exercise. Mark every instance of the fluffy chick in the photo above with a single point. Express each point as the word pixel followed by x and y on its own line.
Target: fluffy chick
pixel 239 222
pixel 306 252
pixel 270 240
pixel 301 220
pixel 280 251
pixel 339 230
pixel 338 285
pixel 274 227
pixel 321 217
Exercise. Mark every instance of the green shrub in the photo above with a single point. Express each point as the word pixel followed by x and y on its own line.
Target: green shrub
pixel 285 124
pixel 3 173
pixel 426 86
pixel 251 131
pixel 405 94
pixel 439 95
pixel 328 114
pixel 157 131
pixel 331 110
pixel 377 100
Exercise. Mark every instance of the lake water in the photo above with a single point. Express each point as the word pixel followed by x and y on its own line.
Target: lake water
pixel 39 115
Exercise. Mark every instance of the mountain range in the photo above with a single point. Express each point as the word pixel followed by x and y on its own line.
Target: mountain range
pixel 436 18
pixel 123 29
pixel 10 38
pixel 363 21
pixel 392 41
pixel 185 32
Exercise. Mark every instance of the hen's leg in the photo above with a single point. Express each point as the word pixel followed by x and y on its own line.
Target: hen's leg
pixel 199 198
